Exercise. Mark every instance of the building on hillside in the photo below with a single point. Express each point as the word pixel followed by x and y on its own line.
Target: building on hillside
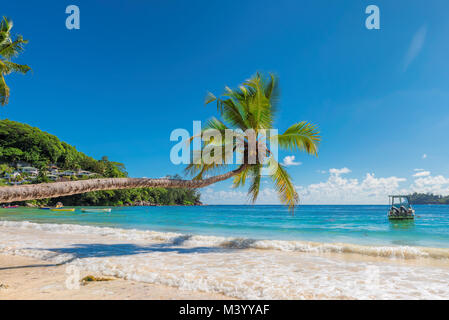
pixel 68 173
pixel 52 166
pixel 52 177
pixel 21 164
pixel 29 170
pixel 83 173
pixel 12 175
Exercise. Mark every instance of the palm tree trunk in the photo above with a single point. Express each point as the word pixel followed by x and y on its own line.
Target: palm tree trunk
pixel 60 189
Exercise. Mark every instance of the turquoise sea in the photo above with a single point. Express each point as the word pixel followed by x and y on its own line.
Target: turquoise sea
pixel 365 225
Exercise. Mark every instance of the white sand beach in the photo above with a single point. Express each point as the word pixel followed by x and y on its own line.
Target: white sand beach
pixel 37 262
pixel 29 278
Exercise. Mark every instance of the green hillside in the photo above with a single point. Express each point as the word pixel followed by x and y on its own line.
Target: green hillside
pixel 22 143
pixel 428 198
pixel 47 159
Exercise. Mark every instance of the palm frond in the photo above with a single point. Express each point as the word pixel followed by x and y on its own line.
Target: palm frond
pixel 198 170
pixel 272 92
pixel 10 67
pixel 232 110
pixel 4 91
pixel 13 49
pixel 253 105
pixel 6 25
pixel 283 185
pixel 8 50
pixel 5 29
pixel 301 136
pixel 210 98
pixel 254 188
pixel 240 179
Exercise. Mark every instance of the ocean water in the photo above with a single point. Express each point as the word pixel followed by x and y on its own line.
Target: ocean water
pixel 362 225
pixel 249 252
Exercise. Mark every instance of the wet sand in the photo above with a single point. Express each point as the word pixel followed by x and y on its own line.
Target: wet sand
pixel 34 262
pixel 28 278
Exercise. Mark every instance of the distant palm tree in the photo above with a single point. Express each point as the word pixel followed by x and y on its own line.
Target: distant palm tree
pixel 252 106
pixel 9 49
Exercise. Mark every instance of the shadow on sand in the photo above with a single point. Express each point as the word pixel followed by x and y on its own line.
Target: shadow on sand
pixel 99 250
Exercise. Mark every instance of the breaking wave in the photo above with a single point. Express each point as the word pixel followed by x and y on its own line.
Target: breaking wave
pixel 396 252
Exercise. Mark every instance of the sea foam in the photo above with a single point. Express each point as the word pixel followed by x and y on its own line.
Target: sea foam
pixel 397 252
pixel 271 269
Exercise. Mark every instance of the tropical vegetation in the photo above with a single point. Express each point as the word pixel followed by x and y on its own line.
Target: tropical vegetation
pixel 252 106
pixel 22 143
pixel 135 196
pixel 428 198
pixel 10 48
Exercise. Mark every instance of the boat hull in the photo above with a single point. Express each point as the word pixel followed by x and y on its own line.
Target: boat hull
pixel 63 210
pixel 96 210
pixel 401 218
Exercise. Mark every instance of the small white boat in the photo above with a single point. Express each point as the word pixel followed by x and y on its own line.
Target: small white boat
pixel 400 209
pixel 63 209
pixel 93 210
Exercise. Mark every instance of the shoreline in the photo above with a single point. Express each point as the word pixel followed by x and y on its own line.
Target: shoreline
pixel 387 251
pixel 104 206
pixel 24 278
pixel 197 267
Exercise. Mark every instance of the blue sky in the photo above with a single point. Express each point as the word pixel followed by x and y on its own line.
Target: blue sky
pixel 136 70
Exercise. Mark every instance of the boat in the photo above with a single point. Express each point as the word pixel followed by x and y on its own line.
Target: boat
pixel 63 209
pixel 45 208
pixel 400 208
pixel 9 207
pixel 93 210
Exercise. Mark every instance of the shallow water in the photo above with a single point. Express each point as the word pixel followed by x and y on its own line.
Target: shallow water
pixel 250 252
pixel 364 225
pixel 240 268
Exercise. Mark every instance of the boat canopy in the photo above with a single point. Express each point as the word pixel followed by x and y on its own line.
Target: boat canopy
pixel 400 201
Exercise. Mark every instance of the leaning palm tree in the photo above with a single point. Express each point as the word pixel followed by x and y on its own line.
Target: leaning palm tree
pixel 251 106
pixel 9 49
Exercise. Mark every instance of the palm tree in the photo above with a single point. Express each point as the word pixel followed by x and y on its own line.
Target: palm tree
pixel 9 49
pixel 251 106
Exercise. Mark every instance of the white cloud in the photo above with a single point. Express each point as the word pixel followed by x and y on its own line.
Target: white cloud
pixel 429 184
pixel 422 173
pixel 290 161
pixel 238 196
pixel 424 156
pixel 339 171
pixel 418 169
pixel 415 47
pixel 339 189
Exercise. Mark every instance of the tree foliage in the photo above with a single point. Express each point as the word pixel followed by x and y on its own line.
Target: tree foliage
pixel 428 198
pixel 253 106
pixel 21 142
pixel 10 48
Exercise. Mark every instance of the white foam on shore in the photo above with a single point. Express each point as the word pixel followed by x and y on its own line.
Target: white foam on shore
pixel 397 252
pixel 219 265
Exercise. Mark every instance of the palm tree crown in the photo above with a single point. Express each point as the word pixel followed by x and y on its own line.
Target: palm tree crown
pixel 253 106
pixel 9 49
